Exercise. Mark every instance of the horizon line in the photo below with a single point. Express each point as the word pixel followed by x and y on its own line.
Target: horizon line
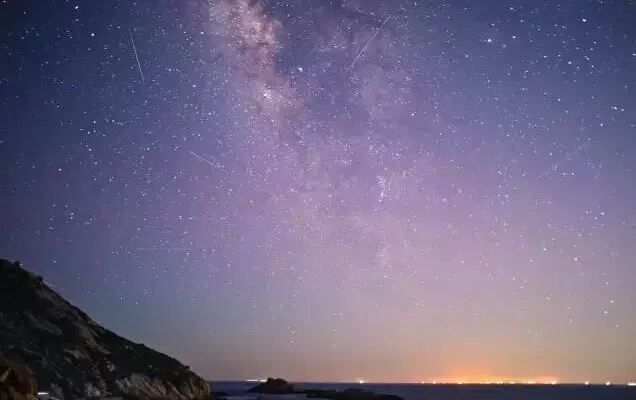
pixel 440 383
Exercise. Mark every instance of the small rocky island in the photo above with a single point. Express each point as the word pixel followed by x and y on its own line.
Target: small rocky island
pixel 70 356
pixel 274 386
pixel 281 386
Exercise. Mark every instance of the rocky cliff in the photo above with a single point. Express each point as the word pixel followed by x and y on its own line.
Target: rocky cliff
pixel 16 381
pixel 73 357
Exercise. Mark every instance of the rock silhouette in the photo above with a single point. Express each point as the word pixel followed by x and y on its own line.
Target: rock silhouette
pixel 16 381
pixel 72 356
pixel 274 386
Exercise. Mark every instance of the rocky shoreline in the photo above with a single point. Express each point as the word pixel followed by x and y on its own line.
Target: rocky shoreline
pixel 73 357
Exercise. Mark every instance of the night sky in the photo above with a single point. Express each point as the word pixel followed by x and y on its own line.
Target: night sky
pixel 332 190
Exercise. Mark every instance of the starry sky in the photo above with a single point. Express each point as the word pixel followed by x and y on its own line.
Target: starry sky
pixel 332 190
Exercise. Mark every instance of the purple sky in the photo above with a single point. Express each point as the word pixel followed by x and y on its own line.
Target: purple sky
pixel 332 190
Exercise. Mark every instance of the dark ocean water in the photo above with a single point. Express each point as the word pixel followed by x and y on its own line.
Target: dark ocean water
pixel 463 392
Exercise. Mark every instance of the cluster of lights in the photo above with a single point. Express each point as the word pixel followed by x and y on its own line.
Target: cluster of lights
pixel 553 382
pixel 489 383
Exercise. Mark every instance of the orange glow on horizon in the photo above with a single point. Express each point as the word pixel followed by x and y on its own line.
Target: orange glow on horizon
pixel 492 380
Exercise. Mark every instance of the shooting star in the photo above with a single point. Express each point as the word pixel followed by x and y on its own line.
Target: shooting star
pixel 159 249
pixel 567 157
pixel 136 56
pixel 369 42
pixel 163 249
pixel 201 158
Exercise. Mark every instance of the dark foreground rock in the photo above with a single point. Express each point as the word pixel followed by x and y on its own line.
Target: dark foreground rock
pixel 73 357
pixel 274 386
pixel 350 394
pixel 16 381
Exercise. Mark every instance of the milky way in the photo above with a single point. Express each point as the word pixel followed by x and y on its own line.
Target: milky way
pixel 332 190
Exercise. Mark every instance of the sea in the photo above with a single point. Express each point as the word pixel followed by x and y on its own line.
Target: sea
pixel 238 391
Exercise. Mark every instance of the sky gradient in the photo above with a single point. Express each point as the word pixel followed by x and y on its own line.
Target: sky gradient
pixel 332 190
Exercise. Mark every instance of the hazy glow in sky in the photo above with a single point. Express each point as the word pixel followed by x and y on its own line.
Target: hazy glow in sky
pixel 332 190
